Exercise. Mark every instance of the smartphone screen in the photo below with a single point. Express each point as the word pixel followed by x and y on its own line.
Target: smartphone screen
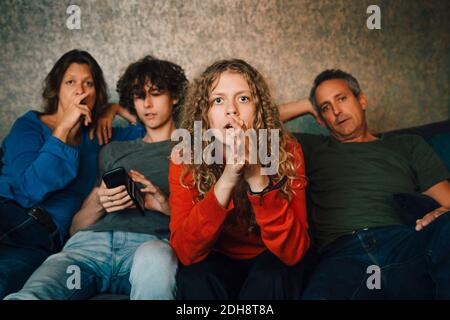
pixel 115 177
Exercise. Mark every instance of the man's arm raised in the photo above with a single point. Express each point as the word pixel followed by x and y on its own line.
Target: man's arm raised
pixel 291 110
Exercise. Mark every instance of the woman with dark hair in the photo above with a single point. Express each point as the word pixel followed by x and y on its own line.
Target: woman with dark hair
pixel 49 167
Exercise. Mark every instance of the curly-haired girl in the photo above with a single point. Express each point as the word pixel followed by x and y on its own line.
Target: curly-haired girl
pixel 238 232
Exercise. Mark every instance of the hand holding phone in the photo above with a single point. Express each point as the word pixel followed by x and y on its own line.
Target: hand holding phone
pixel 119 177
pixel 114 199
pixel 154 198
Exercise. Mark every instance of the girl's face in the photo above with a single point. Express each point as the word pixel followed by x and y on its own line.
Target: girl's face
pixel 77 80
pixel 231 94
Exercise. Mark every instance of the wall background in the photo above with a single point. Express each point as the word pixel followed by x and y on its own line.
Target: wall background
pixel 404 68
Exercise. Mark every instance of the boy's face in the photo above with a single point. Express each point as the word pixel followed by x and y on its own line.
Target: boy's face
pixel 155 109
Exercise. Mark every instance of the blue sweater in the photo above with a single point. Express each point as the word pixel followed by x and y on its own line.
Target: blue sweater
pixel 40 169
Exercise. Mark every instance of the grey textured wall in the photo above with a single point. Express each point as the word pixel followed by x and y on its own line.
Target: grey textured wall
pixel 404 68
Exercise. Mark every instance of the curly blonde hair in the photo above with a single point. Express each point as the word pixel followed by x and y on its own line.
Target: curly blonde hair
pixel 196 107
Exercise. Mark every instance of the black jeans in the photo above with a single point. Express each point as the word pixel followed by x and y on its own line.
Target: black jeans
pixel 219 277
pixel 24 245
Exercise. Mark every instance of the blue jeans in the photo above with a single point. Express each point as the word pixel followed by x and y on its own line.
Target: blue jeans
pixel 24 245
pixel 413 265
pixel 135 264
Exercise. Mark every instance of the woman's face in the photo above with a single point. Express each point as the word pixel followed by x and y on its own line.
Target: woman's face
pixel 231 94
pixel 77 80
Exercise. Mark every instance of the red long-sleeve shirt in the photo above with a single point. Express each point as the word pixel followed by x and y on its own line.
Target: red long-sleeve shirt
pixel 197 228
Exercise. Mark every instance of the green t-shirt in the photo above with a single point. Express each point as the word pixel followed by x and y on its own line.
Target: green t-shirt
pixel 351 184
pixel 152 160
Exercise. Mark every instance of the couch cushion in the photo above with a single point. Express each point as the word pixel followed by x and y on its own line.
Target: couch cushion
pixel 110 296
pixel 426 131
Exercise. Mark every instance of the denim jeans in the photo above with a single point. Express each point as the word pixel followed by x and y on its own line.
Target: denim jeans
pixel 135 264
pixel 24 245
pixel 412 265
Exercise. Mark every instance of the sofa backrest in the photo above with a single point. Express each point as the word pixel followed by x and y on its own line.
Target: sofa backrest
pixel 437 135
pixel 1 160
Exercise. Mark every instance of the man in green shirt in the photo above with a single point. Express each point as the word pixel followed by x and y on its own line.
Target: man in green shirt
pixel 353 176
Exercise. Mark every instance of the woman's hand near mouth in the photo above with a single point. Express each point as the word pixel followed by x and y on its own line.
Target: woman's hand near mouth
pixel 71 117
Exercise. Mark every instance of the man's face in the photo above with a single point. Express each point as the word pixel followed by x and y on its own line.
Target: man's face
pixel 340 110
pixel 155 109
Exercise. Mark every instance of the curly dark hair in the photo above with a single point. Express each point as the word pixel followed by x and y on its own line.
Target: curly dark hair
pixel 52 82
pixel 162 74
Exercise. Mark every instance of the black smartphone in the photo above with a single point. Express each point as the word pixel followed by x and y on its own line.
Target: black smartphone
pixel 119 177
